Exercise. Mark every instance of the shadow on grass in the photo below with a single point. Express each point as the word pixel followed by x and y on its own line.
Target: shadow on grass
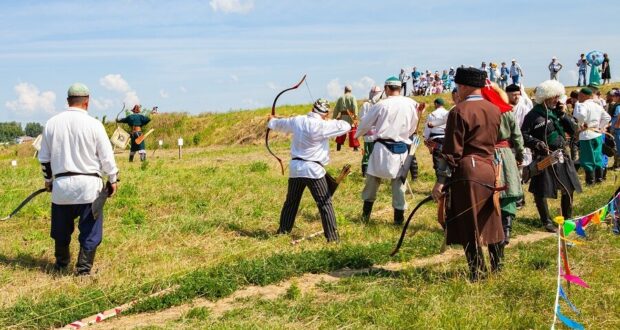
pixel 259 234
pixel 27 261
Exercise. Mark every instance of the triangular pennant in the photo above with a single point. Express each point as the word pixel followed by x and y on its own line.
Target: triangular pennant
pixel 568 322
pixel 572 241
pixel 575 279
pixel 568 302
pixel 596 218
pixel 603 214
pixel 579 229
pixel 585 220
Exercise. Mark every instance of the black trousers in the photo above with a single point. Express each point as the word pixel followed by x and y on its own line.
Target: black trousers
pixel 320 193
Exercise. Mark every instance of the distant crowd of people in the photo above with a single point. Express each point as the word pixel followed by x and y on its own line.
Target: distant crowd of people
pixel 429 83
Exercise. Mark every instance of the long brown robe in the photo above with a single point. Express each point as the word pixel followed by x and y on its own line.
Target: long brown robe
pixel 469 148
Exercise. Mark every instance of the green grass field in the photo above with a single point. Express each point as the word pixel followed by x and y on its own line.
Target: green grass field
pixel 204 226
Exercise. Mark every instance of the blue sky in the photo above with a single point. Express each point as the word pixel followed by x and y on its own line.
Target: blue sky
pixel 216 55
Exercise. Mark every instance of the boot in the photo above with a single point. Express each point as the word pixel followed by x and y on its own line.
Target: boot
pixel 85 261
pixel 598 175
pixel 475 261
pixel 507 225
pixel 543 212
pixel 338 146
pixel 589 178
pixel 496 253
pixel 399 217
pixel 565 204
pixel 356 149
pixel 142 157
pixel 604 176
pixel 62 254
pixel 366 211
pixel 131 157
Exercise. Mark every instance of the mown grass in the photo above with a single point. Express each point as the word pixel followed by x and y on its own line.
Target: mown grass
pixel 205 223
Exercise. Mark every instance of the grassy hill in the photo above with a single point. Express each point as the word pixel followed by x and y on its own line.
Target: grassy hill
pixel 204 227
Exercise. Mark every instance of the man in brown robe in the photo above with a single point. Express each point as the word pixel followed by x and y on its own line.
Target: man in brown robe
pixel 468 170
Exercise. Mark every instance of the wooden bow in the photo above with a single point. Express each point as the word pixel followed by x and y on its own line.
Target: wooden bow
pixel 273 113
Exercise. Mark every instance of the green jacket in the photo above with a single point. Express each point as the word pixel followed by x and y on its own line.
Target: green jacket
pixel 344 103
pixel 135 119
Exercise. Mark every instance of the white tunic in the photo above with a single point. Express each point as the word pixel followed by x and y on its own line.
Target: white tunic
pixel 593 116
pixel 311 136
pixel 73 141
pixel 370 135
pixel 436 124
pixel 394 118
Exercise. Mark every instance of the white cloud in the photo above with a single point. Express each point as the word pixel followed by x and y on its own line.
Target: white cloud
pixel 182 89
pixel 163 94
pixel 116 83
pixel 102 104
pixel 234 77
pixel 334 89
pixel 232 6
pixel 360 87
pixel 31 100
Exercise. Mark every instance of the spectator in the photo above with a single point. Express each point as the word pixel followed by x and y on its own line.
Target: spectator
pixel 415 78
pixel 515 72
pixel 554 68
pixel 582 64
pixel 494 73
pixel 403 81
pixel 504 72
pixel 606 70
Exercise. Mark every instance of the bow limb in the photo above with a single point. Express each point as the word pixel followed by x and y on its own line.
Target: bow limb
pixel 402 235
pixel 119 113
pixel 273 113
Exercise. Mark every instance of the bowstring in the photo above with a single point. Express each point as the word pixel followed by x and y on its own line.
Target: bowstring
pixel 309 91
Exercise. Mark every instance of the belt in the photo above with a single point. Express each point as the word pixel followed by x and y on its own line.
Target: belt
pixel 60 175
pixel 503 144
pixel 312 161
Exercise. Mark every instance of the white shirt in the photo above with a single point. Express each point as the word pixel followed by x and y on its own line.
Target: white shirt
pixel 437 119
pixel 73 141
pixel 523 107
pixel 594 116
pixel 311 136
pixel 394 118
pixel 370 135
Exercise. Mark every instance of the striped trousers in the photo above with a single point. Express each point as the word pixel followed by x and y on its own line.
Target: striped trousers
pixel 320 193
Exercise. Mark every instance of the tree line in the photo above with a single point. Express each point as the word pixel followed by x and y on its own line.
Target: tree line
pixel 9 131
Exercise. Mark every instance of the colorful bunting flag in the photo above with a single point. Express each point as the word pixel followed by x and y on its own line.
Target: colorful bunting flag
pixel 595 218
pixel 603 214
pixel 579 228
pixel 575 279
pixel 568 302
pixel 567 321
pixel 586 220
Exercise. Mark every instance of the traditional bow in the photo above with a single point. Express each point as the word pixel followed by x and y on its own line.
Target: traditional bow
pixel 430 198
pixel 273 113
pixel 119 113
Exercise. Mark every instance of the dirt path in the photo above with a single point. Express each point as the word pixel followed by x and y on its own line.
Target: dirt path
pixel 305 283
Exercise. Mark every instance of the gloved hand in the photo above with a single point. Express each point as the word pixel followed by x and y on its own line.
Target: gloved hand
pixel 519 158
pixel 541 146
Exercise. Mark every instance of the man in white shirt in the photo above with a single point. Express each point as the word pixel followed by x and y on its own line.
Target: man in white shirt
pixel 554 68
pixel 75 154
pixel 592 120
pixel 395 120
pixel 310 153
pixel 369 138
pixel 434 130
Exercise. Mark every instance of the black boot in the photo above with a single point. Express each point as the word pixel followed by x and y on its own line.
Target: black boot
pixel 338 146
pixel 85 261
pixel 62 254
pixel 598 175
pixel 543 213
pixel 604 176
pixel 507 225
pixel 131 157
pixel 399 217
pixel 356 149
pixel 496 253
pixel 567 207
pixel 589 178
pixel 142 157
pixel 475 261
pixel 366 211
